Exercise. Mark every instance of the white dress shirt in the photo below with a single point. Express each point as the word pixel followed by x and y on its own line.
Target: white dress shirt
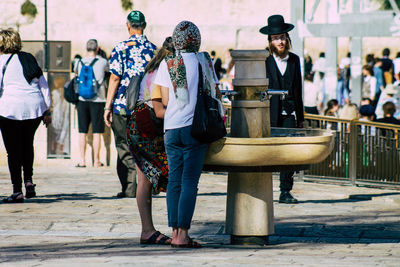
pixel 281 63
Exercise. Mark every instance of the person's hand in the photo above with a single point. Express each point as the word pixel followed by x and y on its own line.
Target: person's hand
pixel 301 124
pixel 108 117
pixel 46 120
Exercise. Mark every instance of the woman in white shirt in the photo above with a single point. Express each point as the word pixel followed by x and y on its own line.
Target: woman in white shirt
pixel 369 83
pixel 178 76
pixel 24 103
pixel 312 96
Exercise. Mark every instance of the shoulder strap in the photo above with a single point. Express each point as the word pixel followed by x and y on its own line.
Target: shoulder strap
pixel 77 66
pixel 200 84
pixel 4 70
pixel 93 62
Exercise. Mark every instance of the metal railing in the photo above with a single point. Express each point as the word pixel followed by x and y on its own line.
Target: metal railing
pixel 364 152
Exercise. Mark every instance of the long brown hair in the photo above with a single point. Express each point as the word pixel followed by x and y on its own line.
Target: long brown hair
pixel 164 51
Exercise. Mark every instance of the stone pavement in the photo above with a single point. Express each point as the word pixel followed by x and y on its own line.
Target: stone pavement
pixel 76 221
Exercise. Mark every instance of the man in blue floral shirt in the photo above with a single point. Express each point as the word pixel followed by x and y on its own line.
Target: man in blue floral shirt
pixel 128 58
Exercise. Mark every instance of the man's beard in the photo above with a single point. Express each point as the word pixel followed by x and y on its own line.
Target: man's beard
pixel 276 51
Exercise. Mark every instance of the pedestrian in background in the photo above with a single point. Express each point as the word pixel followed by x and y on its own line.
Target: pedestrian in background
pixel 369 83
pixel 312 96
pixel 319 69
pixel 378 74
pixel 308 64
pixel 128 58
pixel 389 93
pixel 24 103
pixel 389 108
pixel 387 67
pixel 396 67
pixel 217 64
pixel 91 111
pixel 332 108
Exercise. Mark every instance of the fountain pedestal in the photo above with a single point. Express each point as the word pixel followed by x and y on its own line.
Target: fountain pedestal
pixel 250 213
pixel 249 210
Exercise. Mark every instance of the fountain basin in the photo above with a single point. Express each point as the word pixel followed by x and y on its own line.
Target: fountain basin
pixel 286 149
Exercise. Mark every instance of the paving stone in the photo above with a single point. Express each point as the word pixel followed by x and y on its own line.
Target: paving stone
pixel 77 221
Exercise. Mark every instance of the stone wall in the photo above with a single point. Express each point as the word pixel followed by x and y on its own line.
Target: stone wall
pixel 223 24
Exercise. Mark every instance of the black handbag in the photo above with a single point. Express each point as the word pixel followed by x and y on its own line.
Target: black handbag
pixel 208 126
pixel 70 91
pixel 132 91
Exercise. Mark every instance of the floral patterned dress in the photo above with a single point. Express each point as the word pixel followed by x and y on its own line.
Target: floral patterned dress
pixel 145 138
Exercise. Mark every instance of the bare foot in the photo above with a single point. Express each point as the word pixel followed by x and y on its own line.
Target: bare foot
pixel 98 164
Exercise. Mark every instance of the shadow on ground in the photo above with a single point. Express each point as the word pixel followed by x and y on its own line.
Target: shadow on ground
pixel 370 228
pixel 63 197
pixel 89 248
pixel 351 198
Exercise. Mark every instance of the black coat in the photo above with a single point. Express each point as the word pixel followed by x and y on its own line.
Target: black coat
pixel 291 81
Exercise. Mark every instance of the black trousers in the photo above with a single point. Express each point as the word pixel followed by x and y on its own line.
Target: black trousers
pixel 18 138
pixel 286 177
pixel 126 169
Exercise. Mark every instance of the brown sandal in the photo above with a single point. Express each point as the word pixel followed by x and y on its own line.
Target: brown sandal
pixel 152 240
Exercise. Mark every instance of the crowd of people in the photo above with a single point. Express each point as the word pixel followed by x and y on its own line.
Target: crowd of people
pixel 380 85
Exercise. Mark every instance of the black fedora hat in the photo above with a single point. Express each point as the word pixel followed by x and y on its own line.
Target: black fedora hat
pixel 276 25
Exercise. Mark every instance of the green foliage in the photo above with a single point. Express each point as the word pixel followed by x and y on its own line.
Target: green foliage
pixel 29 9
pixel 127 5
pixel 386 4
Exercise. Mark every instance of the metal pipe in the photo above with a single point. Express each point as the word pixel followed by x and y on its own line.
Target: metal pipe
pixel 46 44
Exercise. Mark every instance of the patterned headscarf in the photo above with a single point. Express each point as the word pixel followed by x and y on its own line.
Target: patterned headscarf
pixel 186 38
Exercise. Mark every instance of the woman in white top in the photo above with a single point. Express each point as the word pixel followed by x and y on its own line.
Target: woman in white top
pixel 179 76
pixel 312 96
pixel 24 103
pixel 369 83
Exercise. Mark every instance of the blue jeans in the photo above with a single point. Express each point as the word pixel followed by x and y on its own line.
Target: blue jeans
pixel 185 160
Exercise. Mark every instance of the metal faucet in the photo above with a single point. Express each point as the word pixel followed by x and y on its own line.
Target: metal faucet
pixel 270 92
pixel 229 93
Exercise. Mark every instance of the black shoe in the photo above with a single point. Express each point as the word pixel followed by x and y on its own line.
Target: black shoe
pixel 287 198
pixel 30 191
pixel 121 195
pixel 14 198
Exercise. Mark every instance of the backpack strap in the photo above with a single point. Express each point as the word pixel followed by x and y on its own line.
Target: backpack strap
pixel 93 62
pixel 91 65
pixel 4 70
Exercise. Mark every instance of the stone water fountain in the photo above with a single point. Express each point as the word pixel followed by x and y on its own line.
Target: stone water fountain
pixel 254 149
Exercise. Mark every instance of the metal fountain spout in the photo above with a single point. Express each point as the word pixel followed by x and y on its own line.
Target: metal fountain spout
pixel 264 95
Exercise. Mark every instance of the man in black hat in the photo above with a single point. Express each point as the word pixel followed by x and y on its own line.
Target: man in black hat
pixel 283 73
